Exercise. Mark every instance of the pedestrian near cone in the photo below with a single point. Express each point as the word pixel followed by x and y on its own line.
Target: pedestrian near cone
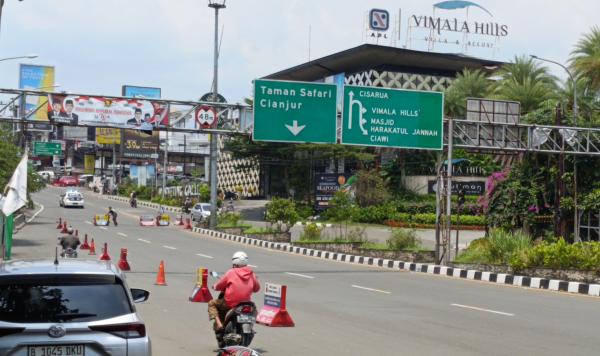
pixel 92 248
pixel 85 245
pixel 105 256
pixel 160 277
pixel 123 264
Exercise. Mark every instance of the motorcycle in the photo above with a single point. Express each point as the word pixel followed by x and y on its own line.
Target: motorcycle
pixel 238 326
pixel 133 202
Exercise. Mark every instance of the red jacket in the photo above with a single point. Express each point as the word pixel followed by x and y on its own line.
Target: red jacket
pixel 238 284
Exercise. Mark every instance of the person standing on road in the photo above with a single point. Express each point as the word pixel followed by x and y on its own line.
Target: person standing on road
pixel 112 214
pixel 69 241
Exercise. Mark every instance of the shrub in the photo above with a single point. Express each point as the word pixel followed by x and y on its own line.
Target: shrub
pixel 311 232
pixel 403 239
pixel 229 219
pixel 503 244
pixel 282 213
pixel 376 214
pixel 204 193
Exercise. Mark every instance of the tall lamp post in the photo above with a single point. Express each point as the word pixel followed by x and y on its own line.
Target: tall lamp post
pixel 217 5
pixel 575 114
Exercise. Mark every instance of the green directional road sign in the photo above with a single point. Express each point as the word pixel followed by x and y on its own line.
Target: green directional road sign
pixel 46 148
pixel 294 112
pixel 392 118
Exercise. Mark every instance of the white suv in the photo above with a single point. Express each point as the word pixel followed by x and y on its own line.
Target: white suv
pixel 69 307
pixel 71 198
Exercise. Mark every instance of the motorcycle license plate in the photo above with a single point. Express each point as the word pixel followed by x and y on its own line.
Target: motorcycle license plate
pixel 56 350
pixel 245 318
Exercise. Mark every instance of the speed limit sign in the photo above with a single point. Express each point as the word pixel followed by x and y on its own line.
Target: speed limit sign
pixel 206 117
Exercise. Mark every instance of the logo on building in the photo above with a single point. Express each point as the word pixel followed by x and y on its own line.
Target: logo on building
pixel 379 20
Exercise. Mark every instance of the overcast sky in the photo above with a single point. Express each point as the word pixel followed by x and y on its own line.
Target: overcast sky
pixel 99 45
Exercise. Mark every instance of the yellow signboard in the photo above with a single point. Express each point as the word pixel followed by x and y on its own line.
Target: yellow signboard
pixel 108 136
pixel 89 164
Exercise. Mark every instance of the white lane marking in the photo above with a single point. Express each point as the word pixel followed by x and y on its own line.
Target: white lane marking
pixel 121 234
pixel 88 222
pixel 299 275
pixel 36 213
pixel 371 289
pixel 103 228
pixel 170 247
pixel 481 309
pixel 253 266
pixel 202 255
pixel 146 241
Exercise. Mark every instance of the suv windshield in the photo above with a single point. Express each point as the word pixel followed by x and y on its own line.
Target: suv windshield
pixel 205 207
pixel 62 302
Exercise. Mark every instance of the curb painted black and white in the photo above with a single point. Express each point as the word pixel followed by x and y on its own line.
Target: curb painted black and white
pixel 498 278
pixel 143 203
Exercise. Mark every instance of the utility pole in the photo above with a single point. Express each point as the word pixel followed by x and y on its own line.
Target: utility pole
pixel 449 193
pixel 213 136
pixel 559 225
pixel 165 153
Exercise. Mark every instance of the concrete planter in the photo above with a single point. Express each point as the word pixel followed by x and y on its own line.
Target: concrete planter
pixel 272 237
pixel 573 275
pixel 350 248
pixel 406 256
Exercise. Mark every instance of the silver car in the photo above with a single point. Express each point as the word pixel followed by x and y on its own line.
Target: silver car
pixel 200 212
pixel 75 308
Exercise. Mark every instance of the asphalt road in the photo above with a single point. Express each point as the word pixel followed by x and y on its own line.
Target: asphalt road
pixel 338 308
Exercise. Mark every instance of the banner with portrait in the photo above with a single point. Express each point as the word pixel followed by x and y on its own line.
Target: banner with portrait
pixel 100 111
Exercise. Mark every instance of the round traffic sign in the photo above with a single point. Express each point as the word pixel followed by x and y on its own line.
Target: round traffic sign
pixel 206 117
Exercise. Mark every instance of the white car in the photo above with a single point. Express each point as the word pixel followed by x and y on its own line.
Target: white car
pixel 200 212
pixel 71 198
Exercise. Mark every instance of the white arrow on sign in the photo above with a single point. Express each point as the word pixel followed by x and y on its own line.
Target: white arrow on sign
pixel 295 129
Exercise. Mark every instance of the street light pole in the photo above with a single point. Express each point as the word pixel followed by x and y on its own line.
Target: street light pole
pixel 213 136
pixel 575 114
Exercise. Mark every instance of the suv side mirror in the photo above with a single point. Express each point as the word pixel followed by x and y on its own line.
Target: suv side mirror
pixel 139 295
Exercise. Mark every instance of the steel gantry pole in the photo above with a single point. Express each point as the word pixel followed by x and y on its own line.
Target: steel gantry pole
pixel 575 114
pixel 214 136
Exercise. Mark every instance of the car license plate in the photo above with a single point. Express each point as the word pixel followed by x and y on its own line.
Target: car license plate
pixel 245 318
pixel 56 350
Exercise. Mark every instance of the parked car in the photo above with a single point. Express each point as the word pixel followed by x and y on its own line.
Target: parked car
pixel 66 181
pixel 85 179
pixel 48 176
pixel 200 211
pixel 71 198
pixel 69 307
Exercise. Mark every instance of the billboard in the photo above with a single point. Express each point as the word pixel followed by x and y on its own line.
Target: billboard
pixel 138 144
pixel 108 136
pixel 100 111
pixel 326 185
pixel 140 92
pixel 33 77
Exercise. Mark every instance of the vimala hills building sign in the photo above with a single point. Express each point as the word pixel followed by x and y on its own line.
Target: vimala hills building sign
pixel 392 118
pixel 294 112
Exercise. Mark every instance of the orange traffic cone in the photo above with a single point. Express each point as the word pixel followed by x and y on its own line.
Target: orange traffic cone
pixel 123 264
pixel 105 256
pixel 200 293
pixel 188 224
pixel 92 248
pixel 64 227
pixel 59 226
pixel 160 277
pixel 84 245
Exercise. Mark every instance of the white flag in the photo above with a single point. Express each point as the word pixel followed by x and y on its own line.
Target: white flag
pixel 16 191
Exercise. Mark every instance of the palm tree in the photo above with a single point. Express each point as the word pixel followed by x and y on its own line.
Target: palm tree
pixel 527 82
pixel 585 58
pixel 468 83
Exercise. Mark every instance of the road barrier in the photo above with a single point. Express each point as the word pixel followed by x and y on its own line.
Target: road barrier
pixel 274 312
pixel 163 220
pixel 160 277
pixel 105 256
pixel 100 220
pixel 200 293
pixel 123 264
pixel 85 245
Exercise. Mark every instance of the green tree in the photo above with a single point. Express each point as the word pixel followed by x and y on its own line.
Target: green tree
pixel 341 211
pixel 370 188
pixel 585 58
pixel 526 81
pixel 282 213
pixel 468 83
